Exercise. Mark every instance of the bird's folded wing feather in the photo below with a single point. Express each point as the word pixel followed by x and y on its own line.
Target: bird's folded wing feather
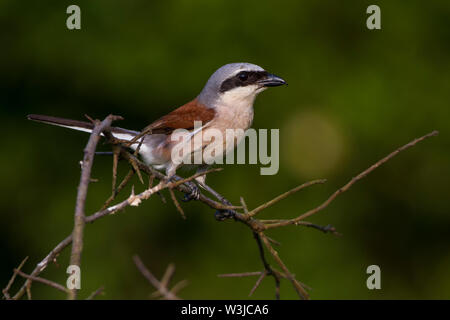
pixel 182 118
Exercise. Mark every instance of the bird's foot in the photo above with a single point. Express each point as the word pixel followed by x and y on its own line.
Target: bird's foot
pixel 222 215
pixel 194 194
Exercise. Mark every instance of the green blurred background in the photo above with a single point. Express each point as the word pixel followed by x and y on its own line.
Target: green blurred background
pixel 354 95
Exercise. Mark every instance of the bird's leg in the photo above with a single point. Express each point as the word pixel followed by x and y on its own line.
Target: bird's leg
pixel 194 194
pixel 221 214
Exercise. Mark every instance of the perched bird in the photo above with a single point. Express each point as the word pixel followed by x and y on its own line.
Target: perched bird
pixel 226 102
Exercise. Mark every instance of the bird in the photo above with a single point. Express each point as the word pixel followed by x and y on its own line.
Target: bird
pixel 225 102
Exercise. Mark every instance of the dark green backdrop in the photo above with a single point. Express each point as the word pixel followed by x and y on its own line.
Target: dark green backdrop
pixel 354 95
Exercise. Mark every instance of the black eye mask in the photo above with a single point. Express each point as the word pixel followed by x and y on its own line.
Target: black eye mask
pixel 242 79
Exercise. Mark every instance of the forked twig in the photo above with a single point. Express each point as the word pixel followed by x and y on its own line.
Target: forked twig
pixel 351 183
pixel 42 280
pixel 11 281
pixel 160 286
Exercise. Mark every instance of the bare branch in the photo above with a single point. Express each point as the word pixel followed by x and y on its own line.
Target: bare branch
pixel 284 196
pixel 325 229
pixel 11 281
pixel 267 267
pixel 160 286
pixel 258 282
pixel 116 191
pixel 89 152
pixel 167 277
pixel 178 286
pixel 351 182
pixel 196 175
pixel 297 286
pixel 116 154
pixel 177 204
pixel 43 264
pixel 239 275
pixel 97 292
pixel 42 280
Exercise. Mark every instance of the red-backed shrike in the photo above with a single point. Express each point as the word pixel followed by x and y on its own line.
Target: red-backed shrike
pixel 226 102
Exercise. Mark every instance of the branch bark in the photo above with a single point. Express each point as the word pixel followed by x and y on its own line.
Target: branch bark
pixel 86 165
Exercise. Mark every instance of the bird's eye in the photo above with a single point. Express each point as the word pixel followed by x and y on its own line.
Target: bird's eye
pixel 243 76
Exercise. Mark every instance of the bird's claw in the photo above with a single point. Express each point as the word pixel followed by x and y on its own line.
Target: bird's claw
pixel 222 215
pixel 194 194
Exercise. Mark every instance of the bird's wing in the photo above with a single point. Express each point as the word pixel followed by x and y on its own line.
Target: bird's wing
pixel 182 118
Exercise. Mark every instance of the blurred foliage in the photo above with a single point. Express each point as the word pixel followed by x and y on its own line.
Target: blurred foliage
pixel 354 95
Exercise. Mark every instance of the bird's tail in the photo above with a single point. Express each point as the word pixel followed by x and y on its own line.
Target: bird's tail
pixel 117 132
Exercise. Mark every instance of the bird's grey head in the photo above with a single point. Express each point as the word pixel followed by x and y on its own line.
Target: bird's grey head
pixel 237 83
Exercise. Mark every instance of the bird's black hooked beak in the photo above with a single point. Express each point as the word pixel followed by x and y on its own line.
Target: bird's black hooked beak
pixel 271 80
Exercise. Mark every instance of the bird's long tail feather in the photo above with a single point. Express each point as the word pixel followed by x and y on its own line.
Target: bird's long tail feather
pixel 117 132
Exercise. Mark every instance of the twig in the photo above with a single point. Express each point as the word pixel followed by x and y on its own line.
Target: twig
pixel 178 286
pixel 297 286
pixel 116 191
pixel 167 277
pixel 142 134
pixel 116 153
pixel 137 170
pixel 177 204
pixel 161 287
pixel 11 281
pixel 29 290
pixel 95 293
pixel 43 264
pixel 258 282
pixel 239 275
pixel 351 182
pixel 89 151
pixel 325 229
pixel 267 267
pixel 196 175
pixel 284 196
pixel 244 205
pixel 42 280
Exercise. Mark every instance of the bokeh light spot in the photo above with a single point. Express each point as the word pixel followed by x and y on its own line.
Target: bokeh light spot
pixel 312 144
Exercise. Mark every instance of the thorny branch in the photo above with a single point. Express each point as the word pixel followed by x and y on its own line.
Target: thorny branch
pixel 89 151
pixel 350 183
pixel 162 287
pixel 222 205
pixel 11 281
pixel 42 280
pixel 97 292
